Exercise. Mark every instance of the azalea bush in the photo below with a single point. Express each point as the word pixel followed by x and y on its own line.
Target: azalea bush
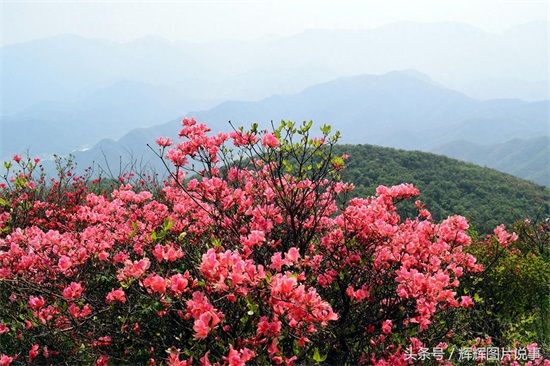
pixel 512 293
pixel 251 252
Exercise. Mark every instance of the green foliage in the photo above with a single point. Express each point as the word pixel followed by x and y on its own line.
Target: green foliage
pixel 448 186
pixel 512 294
pixel 296 175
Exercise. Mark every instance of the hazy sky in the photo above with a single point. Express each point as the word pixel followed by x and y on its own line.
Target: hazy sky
pixel 202 20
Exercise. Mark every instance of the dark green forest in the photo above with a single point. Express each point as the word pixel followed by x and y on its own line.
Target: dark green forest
pixel 447 186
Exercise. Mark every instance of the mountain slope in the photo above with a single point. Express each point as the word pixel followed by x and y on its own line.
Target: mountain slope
pixel 398 109
pixel 395 109
pixel 49 86
pixel 56 68
pixel 527 158
pixel 108 112
pixel 448 186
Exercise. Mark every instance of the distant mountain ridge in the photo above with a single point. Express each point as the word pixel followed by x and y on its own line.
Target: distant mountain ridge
pixel 50 84
pixel 108 112
pixel 398 109
pixel 526 158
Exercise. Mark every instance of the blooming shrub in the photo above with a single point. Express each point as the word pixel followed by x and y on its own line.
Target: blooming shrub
pixel 251 255
pixel 512 290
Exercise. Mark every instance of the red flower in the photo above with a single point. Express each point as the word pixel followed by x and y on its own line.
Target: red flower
pixel 164 142
pixel 5 360
pixel 269 140
pixel 386 326
pixel 3 328
pixel 116 295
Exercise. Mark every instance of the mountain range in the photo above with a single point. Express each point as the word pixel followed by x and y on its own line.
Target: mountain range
pixel 399 109
pixel 526 158
pixel 481 64
pixel 67 94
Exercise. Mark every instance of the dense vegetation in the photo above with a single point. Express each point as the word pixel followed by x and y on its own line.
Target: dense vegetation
pixel 261 257
pixel 448 186
pixel 524 158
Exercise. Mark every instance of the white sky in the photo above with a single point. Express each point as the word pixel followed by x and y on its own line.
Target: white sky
pixel 205 20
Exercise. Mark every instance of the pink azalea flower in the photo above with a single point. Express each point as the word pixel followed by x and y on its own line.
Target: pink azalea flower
pixel 117 295
pixel 466 301
pixel 204 324
pixel 33 353
pixel 164 142
pixel 269 140
pixel 5 360
pixel 36 302
pixel 156 283
pixel 386 326
pixel 74 291
pixel 65 263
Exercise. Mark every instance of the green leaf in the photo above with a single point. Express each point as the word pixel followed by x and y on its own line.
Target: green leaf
pixel 477 298
pixel 325 129
pixel 317 356
pixel 168 224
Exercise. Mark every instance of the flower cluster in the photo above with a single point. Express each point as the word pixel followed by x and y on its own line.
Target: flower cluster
pixel 250 260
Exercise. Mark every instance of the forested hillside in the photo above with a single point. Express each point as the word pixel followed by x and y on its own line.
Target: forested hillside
pixel 486 197
pixel 448 186
pixel 524 158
